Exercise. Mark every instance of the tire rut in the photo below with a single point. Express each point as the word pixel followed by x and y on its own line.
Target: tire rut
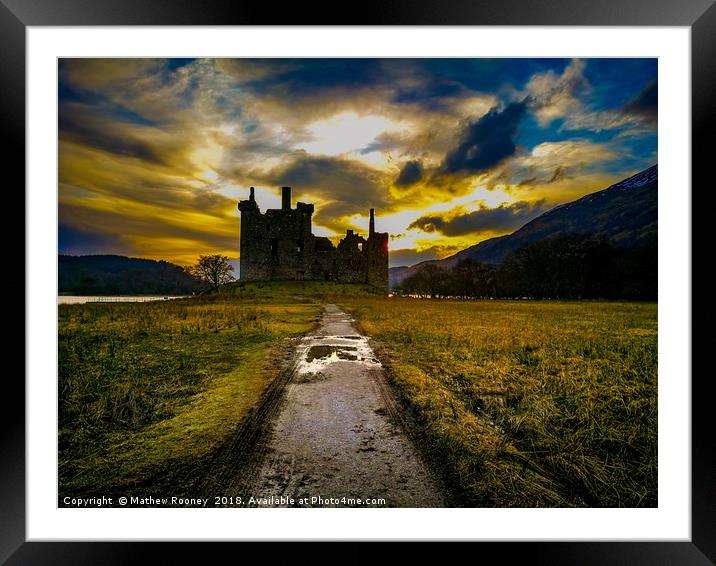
pixel 332 428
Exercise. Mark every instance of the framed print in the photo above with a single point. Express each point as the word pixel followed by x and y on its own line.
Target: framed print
pixel 392 279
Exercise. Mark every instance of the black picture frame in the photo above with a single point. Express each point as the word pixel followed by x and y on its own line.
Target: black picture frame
pixel 699 15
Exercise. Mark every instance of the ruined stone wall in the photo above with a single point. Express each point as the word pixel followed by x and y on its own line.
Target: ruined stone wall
pixel 378 260
pixel 279 245
pixel 351 259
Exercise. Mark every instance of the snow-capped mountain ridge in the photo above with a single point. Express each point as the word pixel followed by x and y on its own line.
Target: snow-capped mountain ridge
pixel 640 179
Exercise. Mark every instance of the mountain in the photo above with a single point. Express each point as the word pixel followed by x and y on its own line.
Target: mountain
pixel 119 275
pixel 624 213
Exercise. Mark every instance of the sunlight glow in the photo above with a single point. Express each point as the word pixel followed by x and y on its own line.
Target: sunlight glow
pixel 345 132
pixel 207 156
pixel 377 159
pixel 486 198
pixel 154 161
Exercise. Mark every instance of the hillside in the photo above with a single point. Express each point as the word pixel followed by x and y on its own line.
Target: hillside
pixel 119 275
pixel 625 213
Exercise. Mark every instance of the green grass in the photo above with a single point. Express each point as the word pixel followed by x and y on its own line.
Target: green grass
pixel 525 403
pixel 147 388
pixel 295 291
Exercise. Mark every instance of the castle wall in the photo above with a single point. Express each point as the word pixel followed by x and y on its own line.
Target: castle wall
pixel 377 269
pixel 279 245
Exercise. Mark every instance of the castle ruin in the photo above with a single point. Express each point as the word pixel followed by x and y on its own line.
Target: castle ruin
pixel 279 245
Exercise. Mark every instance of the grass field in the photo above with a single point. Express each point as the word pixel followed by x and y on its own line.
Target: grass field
pixel 148 388
pixel 516 403
pixel 526 403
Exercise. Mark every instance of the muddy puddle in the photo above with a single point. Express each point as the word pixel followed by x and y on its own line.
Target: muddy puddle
pixel 336 434
pixel 318 352
pixel 341 352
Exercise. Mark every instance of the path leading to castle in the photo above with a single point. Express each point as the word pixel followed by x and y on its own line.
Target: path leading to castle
pixel 334 435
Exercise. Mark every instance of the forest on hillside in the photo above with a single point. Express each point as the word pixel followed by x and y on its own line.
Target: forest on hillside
pixel 119 275
pixel 563 267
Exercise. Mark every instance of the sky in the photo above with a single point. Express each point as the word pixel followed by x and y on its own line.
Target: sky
pixel 155 153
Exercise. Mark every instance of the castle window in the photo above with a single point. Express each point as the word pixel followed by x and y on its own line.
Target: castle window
pixel 360 246
pixel 274 247
pixel 299 246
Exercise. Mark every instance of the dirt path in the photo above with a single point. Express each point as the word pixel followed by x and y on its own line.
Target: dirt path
pixel 333 435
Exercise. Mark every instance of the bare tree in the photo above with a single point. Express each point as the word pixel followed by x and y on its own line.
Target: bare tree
pixel 214 269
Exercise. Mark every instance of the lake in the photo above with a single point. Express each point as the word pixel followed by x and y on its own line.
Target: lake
pixel 78 299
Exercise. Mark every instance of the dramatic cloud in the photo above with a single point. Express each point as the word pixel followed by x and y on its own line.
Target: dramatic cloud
pixel 577 104
pixel 400 258
pixel 646 104
pixel 79 124
pixel 559 174
pixel 555 96
pixel 504 218
pixel 344 187
pixel 551 162
pixel 486 142
pixel 556 171
pixel 411 173
pixel 154 153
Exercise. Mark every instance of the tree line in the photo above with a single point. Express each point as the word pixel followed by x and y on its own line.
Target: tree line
pixel 563 267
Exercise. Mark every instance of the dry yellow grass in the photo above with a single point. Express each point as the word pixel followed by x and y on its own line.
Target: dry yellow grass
pixel 525 403
pixel 517 403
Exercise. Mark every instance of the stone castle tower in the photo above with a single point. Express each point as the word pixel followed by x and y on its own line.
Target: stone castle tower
pixel 279 245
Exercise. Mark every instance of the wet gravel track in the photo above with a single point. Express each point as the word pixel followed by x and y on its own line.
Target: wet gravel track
pixel 332 431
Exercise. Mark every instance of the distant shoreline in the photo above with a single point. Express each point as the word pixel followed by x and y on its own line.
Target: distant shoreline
pixel 82 299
